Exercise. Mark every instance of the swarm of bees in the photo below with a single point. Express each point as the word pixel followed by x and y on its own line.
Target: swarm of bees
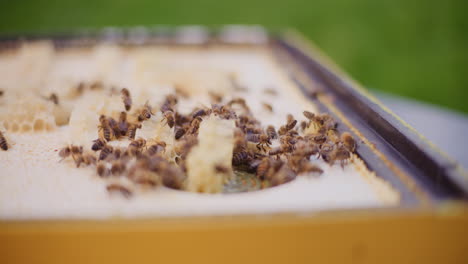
pixel 145 165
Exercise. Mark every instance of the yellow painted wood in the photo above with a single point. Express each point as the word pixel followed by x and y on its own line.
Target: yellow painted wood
pixel 378 236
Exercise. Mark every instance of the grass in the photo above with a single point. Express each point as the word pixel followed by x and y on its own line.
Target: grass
pixel 411 48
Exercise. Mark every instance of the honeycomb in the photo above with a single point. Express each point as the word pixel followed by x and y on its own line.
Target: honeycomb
pixel 216 142
pixel 28 115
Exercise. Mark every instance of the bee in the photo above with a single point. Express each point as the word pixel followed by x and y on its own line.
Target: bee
pixel 270 91
pixel 154 149
pixel 76 150
pixel 106 129
pixel 96 85
pixel 80 88
pixel 341 154
pixel 201 112
pixel 126 98
pixel 239 101
pixel 145 113
pixel 290 125
pixel 348 141
pixel 118 167
pixel 221 169
pixel 3 142
pixel 98 144
pixel 170 118
pixel 240 157
pixel 289 118
pixel 262 168
pixel 105 152
pixel 179 132
pixel 276 151
pixel 268 107
pixel 181 120
pixel 287 143
pixel 53 98
pixel 117 188
pixel 309 115
pixel 89 159
pixel 195 125
pixel 271 132
pixel 114 125
pixel 138 143
pixel 303 125
pixel 308 167
pixel 326 151
pixel 232 77
pixel 262 139
pixel 123 125
pixel 102 170
pixel 118 153
pixel 283 175
pixel 78 160
pixel 317 138
pixel 64 152
pixel 132 130
pixel 179 90
pixel 173 178
pixel 215 97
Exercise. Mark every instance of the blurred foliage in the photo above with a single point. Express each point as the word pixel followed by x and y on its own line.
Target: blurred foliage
pixel 411 48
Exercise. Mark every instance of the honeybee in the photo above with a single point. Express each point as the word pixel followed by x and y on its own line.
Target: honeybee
pixel 270 91
pixel 195 125
pixel 271 132
pixel 348 141
pixel 98 144
pixel 179 132
pixel 308 167
pixel 309 115
pixel 232 77
pixel 268 107
pixel 283 175
pixel 106 129
pixel 173 177
pixel 89 159
pixel 317 138
pixel 105 152
pixel 276 151
pixel 262 168
pixel 240 157
pixel 102 170
pixel 145 113
pixel 262 139
pixel 215 97
pixel 126 98
pixel 123 125
pixel 117 188
pixel 221 169
pixel 154 149
pixel 138 143
pixel 64 152
pixel 170 118
pixel 239 101
pixel 284 129
pixel 132 130
pixel 339 154
pixel 201 112
pixel 118 167
pixel 3 142
pixel 53 98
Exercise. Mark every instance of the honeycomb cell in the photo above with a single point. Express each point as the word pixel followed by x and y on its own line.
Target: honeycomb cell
pixel 15 127
pixel 38 125
pixel 26 127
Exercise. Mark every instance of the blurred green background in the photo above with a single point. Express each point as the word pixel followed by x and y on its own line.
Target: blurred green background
pixel 411 48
